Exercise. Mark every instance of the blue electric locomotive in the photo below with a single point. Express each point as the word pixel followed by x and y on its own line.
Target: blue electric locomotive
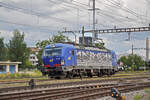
pixel 73 60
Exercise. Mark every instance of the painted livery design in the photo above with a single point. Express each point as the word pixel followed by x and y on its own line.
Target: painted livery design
pixel 72 60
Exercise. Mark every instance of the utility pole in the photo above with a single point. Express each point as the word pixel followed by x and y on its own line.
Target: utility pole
pixel 83 36
pixel 132 49
pixel 75 37
pixel 129 36
pixel 94 34
pixel 132 57
pixel 77 18
pixel 147 50
pixel 82 47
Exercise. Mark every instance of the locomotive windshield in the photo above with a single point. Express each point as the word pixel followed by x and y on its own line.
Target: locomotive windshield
pixel 52 51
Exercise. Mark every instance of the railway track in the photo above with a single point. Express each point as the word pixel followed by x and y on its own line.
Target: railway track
pixel 41 80
pixel 101 94
pixel 35 93
pixel 66 84
pixel 73 93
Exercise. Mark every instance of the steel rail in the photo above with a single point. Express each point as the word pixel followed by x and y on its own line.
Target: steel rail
pixel 20 88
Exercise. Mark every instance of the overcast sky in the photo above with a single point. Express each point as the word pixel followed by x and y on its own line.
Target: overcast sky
pixel 40 19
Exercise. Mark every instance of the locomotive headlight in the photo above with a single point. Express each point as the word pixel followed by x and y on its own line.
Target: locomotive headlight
pixel 62 62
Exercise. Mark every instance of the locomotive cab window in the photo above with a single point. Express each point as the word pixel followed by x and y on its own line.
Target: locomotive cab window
pixel 53 51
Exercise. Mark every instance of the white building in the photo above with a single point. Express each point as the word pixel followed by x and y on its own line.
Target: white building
pixel 33 58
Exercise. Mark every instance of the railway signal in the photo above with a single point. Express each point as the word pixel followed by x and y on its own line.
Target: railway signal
pixel 116 94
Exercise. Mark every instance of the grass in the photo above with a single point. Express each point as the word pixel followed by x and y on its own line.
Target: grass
pixel 138 97
pixel 145 96
pixel 148 93
pixel 26 76
pixel 132 72
pixel 33 74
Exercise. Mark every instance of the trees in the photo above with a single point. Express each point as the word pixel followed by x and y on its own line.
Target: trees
pixel 59 38
pixel 55 39
pixel 42 44
pixel 17 48
pixel 3 50
pixel 133 61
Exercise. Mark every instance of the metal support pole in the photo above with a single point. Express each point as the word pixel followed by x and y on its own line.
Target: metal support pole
pixel 94 33
pixel 147 51
pixel 83 36
pixel 132 49
pixel 75 39
pixel 94 15
pixel 132 57
pixel 129 36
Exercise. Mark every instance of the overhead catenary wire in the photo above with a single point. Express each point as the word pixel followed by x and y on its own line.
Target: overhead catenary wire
pixel 62 6
pixel 26 11
pixel 27 25
pixel 69 5
pixel 116 15
pixel 127 9
pixel 82 6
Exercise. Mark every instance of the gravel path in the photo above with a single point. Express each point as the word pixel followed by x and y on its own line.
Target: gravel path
pixel 129 96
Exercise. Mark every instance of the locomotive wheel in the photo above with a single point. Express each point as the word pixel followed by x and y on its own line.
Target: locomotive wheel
pixel 58 77
pixel 99 74
pixel 69 75
pixel 81 76
pixel 49 76
pixel 90 75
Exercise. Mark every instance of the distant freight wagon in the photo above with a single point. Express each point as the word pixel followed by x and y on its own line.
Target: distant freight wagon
pixel 74 60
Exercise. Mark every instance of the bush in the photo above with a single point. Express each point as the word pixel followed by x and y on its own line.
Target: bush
pixel 21 75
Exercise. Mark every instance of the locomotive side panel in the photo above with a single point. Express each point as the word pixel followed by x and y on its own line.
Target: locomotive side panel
pixel 99 59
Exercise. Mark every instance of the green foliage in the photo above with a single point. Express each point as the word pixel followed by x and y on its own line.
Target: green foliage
pixel 55 39
pixel 21 75
pixel 42 44
pixel 138 97
pixel 148 93
pixel 17 48
pixel 132 61
pixel 3 51
pixel 59 38
pixel 100 45
pixel 39 56
pixel 28 63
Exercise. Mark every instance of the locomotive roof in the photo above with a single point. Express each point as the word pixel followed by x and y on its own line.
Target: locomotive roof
pixel 88 47
pixel 59 45
pixel 78 46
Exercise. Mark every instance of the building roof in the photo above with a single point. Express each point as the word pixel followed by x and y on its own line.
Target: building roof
pixel 8 62
pixel 34 49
